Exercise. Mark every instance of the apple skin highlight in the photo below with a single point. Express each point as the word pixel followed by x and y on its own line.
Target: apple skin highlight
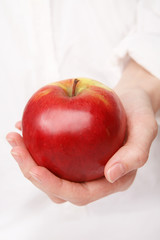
pixel 74 135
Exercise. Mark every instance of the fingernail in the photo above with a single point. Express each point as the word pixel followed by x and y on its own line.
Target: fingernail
pixel 115 172
pixel 35 176
pixel 12 142
pixel 16 156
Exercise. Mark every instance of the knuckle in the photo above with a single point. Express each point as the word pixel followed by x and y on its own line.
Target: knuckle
pixel 80 196
pixel 142 153
pixel 27 176
pixel 154 128
pixel 81 202
pixel 57 200
pixel 142 157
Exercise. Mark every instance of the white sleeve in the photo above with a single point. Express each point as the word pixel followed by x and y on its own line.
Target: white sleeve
pixel 143 43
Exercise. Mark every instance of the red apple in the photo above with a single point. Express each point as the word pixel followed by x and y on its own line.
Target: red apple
pixel 73 127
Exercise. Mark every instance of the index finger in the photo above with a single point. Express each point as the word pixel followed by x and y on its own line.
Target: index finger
pixel 26 162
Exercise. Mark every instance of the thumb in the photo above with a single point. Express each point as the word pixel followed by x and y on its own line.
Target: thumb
pixel 134 154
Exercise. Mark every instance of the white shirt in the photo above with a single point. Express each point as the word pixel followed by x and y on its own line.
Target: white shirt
pixel 45 41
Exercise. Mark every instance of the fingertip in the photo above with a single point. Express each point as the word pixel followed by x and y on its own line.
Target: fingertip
pixel 17 154
pixel 18 125
pixel 115 172
pixel 14 139
pixel 10 139
pixel 10 136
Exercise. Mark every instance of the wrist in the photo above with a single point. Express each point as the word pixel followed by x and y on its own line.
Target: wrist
pixel 135 76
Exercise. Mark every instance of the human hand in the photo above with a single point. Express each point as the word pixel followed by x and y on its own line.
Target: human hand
pixel 139 93
pixel 140 106
pixel 140 134
pixel 60 190
pixel 141 131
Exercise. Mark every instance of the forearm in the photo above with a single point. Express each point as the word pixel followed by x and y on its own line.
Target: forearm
pixel 135 76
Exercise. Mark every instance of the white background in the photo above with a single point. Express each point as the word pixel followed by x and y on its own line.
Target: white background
pixel 44 41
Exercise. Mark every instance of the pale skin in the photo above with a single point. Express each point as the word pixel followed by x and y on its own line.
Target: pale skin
pixel 139 93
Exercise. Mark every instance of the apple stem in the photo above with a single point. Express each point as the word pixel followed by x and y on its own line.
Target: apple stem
pixel 75 81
